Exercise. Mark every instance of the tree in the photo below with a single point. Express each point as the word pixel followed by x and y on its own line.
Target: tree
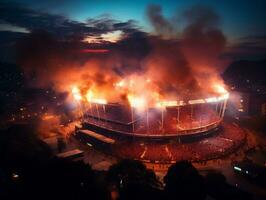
pixel 183 181
pixel 132 180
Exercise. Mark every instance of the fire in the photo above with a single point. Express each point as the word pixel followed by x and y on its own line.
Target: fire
pixel 99 101
pixel 162 104
pixel 89 96
pixel 137 102
pixel 142 93
pixel 211 99
pixel 76 93
pixel 120 83
pixel 224 94
pixel 47 117
pixel 220 89
pixel 91 99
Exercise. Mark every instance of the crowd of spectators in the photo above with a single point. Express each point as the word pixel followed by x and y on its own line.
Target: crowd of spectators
pixel 213 147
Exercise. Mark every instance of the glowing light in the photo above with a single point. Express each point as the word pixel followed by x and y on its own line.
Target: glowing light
pixel 120 83
pixel 76 93
pixel 217 99
pixel 211 99
pixel 142 93
pixel 90 98
pixel 220 89
pixel 113 36
pixel 237 168
pixel 47 117
pixel 137 102
pixel 99 101
pixel 223 97
pixel 94 51
pixel 198 101
pixel 166 104
pixel 89 95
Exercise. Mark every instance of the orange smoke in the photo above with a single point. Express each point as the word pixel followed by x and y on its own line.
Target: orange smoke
pixel 142 93
pixel 176 67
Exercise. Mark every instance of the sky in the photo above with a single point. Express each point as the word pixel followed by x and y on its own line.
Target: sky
pixel 242 21
pixel 239 17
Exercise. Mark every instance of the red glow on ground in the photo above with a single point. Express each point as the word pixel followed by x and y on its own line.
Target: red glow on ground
pixel 94 50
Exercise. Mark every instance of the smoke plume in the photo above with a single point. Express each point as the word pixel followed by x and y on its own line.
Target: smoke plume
pixel 188 62
pixel 175 64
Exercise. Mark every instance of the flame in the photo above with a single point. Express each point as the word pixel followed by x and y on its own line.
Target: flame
pixel 47 117
pixel 224 94
pixel 90 98
pixel 120 84
pixel 89 95
pixel 220 89
pixel 137 102
pixel 142 93
pixel 211 99
pixel 162 104
pixel 76 93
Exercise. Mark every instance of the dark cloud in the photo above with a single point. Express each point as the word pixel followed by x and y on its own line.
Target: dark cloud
pixel 161 25
pixel 203 40
pixel 200 16
pixel 186 61
pixel 106 24
pixel 128 27
pixel 250 47
pixel 179 64
pixel 47 61
pixel 202 29
pixel 22 16
pixel 182 63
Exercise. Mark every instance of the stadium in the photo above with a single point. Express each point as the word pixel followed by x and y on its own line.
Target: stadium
pixel 170 119
pixel 161 134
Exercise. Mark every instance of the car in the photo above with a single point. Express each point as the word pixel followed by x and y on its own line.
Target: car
pixel 251 171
